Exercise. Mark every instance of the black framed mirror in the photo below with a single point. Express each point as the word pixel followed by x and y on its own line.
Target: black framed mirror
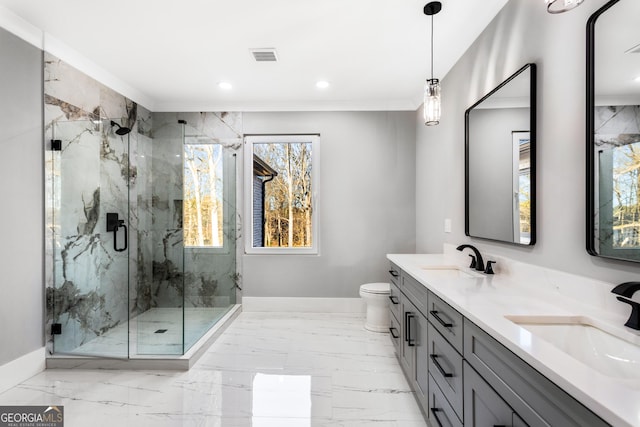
pixel 500 159
pixel 613 131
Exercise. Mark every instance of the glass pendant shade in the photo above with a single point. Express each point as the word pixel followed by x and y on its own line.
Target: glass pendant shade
pixel 431 102
pixel 560 6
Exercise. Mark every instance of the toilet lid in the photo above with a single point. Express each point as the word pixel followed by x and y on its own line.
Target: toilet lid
pixel 376 288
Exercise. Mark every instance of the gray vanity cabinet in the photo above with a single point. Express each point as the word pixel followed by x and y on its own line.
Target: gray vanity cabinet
pixel 440 412
pixel 535 400
pixel 395 331
pixel 483 407
pixel 394 301
pixel 413 352
pixel 445 367
pixel 464 377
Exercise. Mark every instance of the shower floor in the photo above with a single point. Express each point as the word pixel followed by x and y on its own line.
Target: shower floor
pixel 158 331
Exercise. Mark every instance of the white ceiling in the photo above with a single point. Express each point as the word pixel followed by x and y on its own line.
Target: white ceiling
pixel 375 53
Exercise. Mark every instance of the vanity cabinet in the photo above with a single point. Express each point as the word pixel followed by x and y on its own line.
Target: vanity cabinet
pixel 535 399
pixel 395 331
pixel 440 412
pixel 413 351
pixel 482 405
pixel 464 377
pixel 446 320
pixel 394 301
pixel 445 367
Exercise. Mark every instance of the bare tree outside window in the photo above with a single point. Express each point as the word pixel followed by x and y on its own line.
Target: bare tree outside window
pixel 626 196
pixel 287 217
pixel 282 192
pixel 203 195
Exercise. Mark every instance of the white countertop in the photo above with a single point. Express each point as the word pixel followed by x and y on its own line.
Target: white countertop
pixel 486 301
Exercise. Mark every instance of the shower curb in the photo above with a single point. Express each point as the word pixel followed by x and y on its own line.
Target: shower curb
pixel 180 363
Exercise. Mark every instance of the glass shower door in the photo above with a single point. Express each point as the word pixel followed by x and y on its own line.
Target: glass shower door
pixel 90 216
pixel 210 233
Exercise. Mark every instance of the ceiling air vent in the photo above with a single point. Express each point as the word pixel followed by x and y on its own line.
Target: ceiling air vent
pixel 264 55
pixel 635 49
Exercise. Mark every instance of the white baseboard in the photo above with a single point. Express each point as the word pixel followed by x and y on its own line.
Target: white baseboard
pixel 21 369
pixel 303 304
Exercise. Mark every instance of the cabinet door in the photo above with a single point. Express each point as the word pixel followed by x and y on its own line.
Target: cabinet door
pixel 482 405
pixel 407 352
pixel 421 366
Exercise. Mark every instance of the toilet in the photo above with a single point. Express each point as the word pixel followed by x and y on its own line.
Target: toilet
pixel 376 297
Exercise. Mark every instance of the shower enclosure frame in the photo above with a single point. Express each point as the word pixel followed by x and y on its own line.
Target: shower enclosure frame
pixel 111 133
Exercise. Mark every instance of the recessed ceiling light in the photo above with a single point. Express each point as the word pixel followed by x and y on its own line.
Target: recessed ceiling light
pixel 225 86
pixel 637 79
pixel 322 84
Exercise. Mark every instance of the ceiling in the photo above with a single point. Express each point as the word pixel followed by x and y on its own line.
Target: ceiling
pixel 374 53
pixel 617 71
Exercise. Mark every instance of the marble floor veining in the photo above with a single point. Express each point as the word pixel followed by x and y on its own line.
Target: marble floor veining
pixel 265 370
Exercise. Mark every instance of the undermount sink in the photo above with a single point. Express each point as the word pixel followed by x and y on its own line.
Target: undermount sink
pixel 449 272
pixel 580 339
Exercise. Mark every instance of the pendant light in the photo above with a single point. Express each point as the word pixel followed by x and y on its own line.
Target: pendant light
pixel 431 107
pixel 560 6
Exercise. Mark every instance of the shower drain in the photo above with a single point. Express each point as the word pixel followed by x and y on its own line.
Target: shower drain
pixel 160 331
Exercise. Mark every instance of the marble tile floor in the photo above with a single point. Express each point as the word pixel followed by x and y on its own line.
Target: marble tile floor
pixel 265 370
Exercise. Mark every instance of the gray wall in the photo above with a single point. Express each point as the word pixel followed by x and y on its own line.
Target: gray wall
pixel 21 193
pixel 491 170
pixel 366 202
pixel 522 32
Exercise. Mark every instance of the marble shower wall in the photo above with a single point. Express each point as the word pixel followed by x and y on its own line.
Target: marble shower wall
pixel 94 172
pixel 139 175
pixel 210 276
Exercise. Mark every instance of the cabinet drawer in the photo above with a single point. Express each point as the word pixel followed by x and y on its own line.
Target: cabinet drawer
pixel 395 333
pixel 394 274
pixel 446 320
pixel 440 412
pixel 445 365
pixel 537 400
pixel 394 301
pixel 415 291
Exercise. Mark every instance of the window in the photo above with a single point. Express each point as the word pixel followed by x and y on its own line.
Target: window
pixel 203 206
pixel 281 198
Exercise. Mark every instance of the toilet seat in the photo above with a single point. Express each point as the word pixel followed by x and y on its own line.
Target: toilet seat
pixel 376 288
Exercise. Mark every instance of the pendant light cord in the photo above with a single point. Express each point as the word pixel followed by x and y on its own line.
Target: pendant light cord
pixel 431 47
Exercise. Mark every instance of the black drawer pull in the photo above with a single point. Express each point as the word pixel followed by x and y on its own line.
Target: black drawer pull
pixel 434 313
pixel 407 328
pixel 392 334
pixel 394 299
pixel 434 358
pixel 435 411
pixel 393 273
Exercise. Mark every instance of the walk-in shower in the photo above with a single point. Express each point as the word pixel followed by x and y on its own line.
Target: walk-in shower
pixel 143 237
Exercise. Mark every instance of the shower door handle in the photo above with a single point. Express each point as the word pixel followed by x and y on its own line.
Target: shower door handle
pixel 114 224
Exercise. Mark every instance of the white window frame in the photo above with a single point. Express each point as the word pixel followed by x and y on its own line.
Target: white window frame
pixel 249 141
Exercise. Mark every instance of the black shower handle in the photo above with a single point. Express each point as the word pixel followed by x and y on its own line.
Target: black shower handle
pixel 114 224
pixel 126 237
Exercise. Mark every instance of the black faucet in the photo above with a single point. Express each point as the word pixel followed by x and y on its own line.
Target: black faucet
pixel 627 289
pixel 479 263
